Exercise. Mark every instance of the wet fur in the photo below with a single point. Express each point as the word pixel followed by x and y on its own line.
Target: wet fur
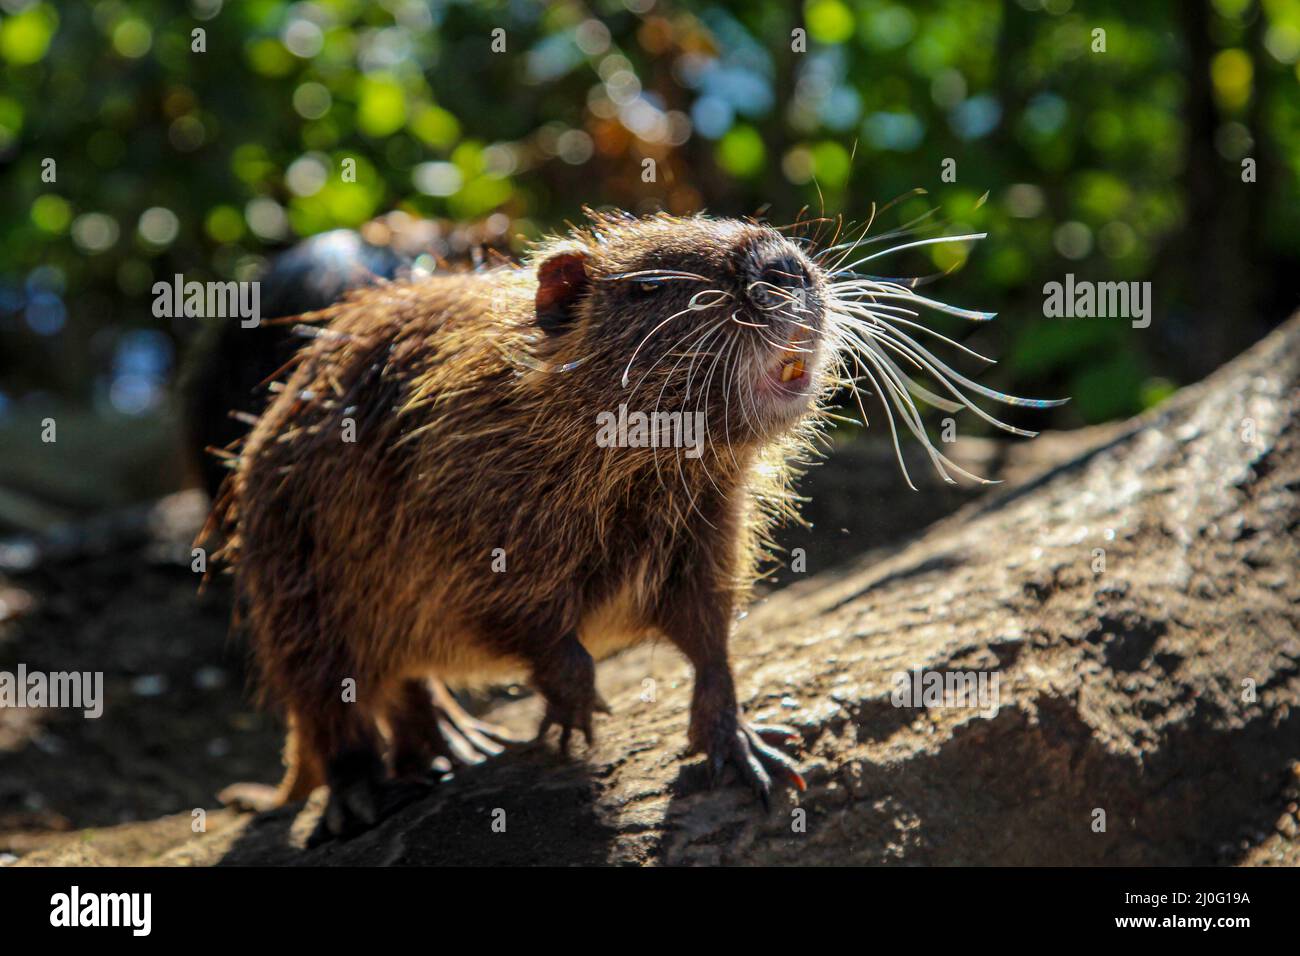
pixel 372 560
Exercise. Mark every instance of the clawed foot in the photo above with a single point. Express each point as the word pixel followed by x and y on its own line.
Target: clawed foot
pixel 569 715
pixel 567 679
pixel 431 731
pixel 727 739
pixel 746 748
pixel 461 739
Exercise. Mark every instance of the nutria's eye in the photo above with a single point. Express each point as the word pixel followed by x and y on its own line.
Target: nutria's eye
pixel 645 288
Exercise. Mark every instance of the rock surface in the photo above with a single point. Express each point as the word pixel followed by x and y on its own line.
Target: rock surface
pixel 1139 605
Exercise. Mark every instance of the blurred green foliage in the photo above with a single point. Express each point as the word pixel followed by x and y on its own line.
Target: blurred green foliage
pixel 1122 163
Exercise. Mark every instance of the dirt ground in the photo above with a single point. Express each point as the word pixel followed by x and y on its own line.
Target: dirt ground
pixel 115 593
pixel 119 597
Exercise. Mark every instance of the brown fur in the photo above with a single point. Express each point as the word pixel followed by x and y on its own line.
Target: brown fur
pixel 372 559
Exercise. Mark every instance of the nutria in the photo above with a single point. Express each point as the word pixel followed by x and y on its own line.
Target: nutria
pixel 428 495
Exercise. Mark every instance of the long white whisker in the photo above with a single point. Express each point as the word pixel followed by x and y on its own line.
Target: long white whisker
pixel 858 311
pixel 692 306
pixel 912 245
pixel 924 360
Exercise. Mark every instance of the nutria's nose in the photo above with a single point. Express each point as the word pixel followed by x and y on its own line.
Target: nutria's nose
pixel 772 276
pixel 784 272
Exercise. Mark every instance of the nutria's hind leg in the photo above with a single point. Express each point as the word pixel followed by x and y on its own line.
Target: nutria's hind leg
pixel 331 741
pixel 304 772
pixel 426 723
pixel 354 768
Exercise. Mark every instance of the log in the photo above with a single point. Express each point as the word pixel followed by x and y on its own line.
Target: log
pixel 1138 605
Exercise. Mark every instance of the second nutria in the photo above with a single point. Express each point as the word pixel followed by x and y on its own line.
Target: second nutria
pixel 430 494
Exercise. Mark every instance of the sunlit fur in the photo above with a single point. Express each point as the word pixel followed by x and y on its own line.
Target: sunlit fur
pixel 475 431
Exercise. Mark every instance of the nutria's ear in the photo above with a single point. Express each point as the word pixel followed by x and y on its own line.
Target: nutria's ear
pixel 561 282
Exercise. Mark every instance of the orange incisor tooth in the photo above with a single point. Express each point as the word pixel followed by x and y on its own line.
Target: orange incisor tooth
pixel 791 370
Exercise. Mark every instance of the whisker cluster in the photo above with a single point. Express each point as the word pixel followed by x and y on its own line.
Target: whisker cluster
pixel 870 319
pixel 876 339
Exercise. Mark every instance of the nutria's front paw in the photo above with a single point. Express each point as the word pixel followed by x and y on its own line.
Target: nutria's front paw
pixel 730 740
pixel 572 711
pixel 567 679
